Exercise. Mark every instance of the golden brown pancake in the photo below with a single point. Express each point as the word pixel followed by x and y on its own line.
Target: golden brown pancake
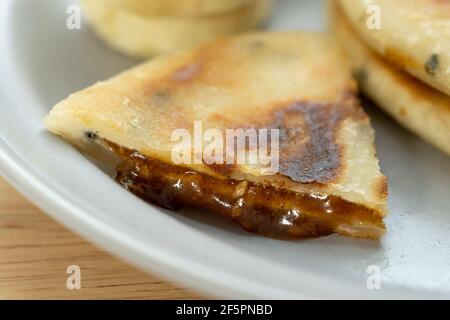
pixel 418 107
pixel 300 84
pixel 145 36
pixel 414 35
pixel 180 8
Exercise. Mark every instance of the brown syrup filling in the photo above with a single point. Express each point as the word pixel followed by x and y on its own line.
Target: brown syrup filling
pixel 261 209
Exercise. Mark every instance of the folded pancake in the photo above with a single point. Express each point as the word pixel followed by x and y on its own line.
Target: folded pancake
pixel 420 108
pixel 328 178
pixel 413 34
pixel 181 8
pixel 145 36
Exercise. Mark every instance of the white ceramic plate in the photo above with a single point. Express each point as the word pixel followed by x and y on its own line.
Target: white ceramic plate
pixel 41 62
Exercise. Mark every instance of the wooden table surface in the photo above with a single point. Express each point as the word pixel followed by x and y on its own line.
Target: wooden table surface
pixel 36 251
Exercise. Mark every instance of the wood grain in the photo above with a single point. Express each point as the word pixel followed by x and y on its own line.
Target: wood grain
pixel 35 252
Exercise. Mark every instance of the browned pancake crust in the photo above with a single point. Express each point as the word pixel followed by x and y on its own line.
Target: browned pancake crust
pixel 309 151
pixel 318 158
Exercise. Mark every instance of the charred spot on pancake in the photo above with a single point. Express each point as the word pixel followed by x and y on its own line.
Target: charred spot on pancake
pixel 432 64
pixel 308 148
pixel 91 136
pixel 309 151
pixel 315 158
pixel 361 75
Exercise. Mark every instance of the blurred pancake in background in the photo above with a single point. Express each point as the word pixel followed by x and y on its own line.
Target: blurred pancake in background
pixel 417 106
pixel 143 35
pixel 180 8
pixel 414 35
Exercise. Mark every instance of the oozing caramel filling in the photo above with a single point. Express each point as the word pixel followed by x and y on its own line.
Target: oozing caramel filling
pixel 261 209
